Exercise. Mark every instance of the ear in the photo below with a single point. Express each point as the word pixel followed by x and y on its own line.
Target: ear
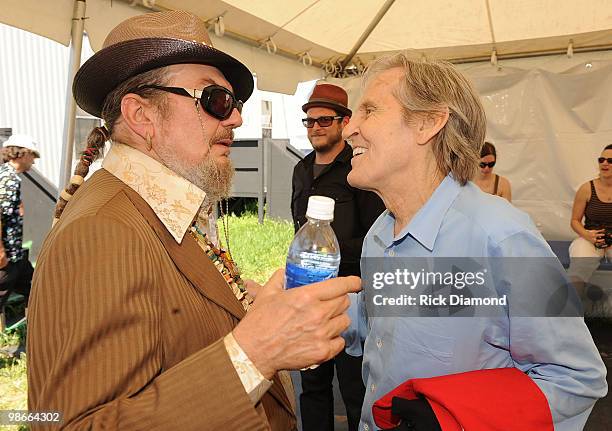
pixel 139 115
pixel 345 121
pixel 428 125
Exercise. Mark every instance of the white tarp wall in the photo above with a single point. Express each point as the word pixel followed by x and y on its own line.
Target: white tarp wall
pixel 33 76
pixel 287 115
pixel 549 118
pixel 549 126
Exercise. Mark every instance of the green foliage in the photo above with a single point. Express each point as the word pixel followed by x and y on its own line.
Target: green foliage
pixel 258 249
pixel 10 339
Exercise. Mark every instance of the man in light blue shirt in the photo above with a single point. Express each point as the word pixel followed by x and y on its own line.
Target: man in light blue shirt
pixel 416 137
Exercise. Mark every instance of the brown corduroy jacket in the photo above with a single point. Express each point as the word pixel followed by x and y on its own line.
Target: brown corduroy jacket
pixel 126 325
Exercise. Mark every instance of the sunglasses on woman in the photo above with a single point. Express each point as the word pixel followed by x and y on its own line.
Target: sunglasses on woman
pixel 324 121
pixel 216 100
pixel 484 165
pixel 603 159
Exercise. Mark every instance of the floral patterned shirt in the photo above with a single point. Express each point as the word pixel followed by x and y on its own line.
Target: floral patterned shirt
pixel 12 218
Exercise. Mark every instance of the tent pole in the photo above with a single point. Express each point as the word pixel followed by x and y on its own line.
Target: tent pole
pixel 531 54
pixel 76 43
pixel 490 21
pixel 379 16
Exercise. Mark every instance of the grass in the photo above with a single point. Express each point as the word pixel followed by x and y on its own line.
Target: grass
pixel 258 249
pixel 13 380
pixel 13 383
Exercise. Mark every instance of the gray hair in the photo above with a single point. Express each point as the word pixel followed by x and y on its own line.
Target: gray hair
pixel 431 87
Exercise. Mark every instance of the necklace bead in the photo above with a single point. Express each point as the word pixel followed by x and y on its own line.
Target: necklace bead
pixel 224 264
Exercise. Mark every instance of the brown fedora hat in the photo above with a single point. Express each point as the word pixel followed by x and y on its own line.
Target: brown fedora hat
pixel 329 96
pixel 147 42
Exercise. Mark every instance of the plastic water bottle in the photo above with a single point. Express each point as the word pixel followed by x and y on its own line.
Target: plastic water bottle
pixel 314 253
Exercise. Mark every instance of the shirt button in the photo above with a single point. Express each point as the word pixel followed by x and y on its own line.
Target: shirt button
pixel 379 343
pixel 366 427
pixel 391 253
pixel 373 387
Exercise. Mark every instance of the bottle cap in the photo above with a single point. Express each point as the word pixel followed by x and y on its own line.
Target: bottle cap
pixel 320 208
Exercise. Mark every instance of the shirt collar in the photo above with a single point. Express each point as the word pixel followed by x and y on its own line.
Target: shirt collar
pixel 174 200
pixel 425 225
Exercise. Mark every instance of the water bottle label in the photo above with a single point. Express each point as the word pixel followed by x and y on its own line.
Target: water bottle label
pixel 296 276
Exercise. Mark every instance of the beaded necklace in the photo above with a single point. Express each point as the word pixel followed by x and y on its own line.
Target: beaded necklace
pixel 224 264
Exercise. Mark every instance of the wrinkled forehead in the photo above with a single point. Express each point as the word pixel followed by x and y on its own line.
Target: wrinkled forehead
pixel 383 81
pixel 380 88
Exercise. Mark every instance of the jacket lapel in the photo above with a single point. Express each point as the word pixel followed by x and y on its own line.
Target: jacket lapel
pixel 191 260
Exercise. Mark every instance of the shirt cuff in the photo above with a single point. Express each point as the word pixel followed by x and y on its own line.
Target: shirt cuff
pixel 255 384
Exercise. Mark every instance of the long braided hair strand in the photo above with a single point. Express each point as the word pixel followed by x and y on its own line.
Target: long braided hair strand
pixel 111 112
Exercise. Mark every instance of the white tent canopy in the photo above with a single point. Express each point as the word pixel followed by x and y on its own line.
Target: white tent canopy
pixel 54 19
pixel 328 32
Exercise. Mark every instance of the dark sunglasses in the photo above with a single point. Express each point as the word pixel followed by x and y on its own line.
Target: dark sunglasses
pixel 484 165
pixel 604 159
pixel 325 121
pixel 216 100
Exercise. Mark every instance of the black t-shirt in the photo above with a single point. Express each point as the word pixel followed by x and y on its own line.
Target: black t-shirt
pixel 317 169
pixel 354 212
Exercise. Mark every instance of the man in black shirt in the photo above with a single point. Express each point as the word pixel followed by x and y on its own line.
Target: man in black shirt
pixel 323 172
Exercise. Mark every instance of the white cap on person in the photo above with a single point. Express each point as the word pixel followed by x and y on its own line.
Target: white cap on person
pixel 23 141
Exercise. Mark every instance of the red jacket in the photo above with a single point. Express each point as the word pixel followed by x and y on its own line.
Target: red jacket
pixel 485 400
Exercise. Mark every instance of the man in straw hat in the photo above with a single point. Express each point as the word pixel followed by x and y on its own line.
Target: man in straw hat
pixel 138 318
pixel 18 155
pixel 522 365
pixel 323 172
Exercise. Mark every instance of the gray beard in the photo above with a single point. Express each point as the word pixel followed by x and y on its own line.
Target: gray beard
pixel 214 179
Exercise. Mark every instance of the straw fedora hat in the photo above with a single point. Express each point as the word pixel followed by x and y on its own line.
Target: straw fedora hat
pixel 329 96
pixel 147 42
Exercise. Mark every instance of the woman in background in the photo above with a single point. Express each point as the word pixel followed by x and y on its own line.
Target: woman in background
pixel 593 203
pixel 486 179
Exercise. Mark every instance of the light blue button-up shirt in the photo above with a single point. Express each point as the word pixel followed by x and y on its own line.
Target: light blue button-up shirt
pixel 558 353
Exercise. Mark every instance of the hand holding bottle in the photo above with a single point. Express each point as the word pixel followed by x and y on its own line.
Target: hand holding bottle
pixel 292 329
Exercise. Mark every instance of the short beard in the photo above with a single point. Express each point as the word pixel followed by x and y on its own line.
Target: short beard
pixel 329 144
pixel 215 179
